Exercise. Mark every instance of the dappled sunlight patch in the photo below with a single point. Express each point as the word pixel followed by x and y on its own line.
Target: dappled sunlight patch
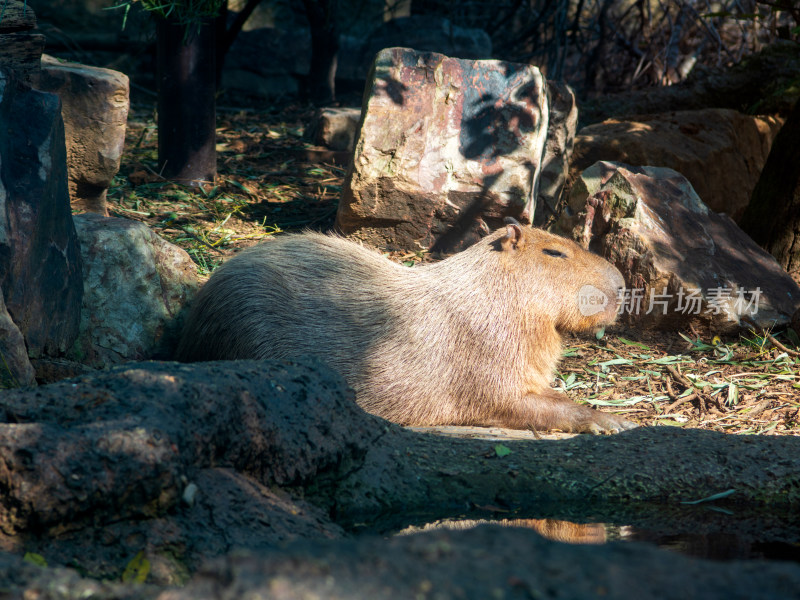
pixel 265 185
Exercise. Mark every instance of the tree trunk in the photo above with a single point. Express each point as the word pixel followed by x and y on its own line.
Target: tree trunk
pixel 323 19
pixel 186 101
pixel 772 218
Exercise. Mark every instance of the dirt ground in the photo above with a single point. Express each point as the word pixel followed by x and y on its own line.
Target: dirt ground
pixel 272 180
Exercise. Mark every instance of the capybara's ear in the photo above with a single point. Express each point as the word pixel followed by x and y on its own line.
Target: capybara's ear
pixel 514 238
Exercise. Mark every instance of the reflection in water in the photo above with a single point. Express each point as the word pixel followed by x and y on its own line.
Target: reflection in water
pixel 564 531
pixel 553 529
pixel 714 546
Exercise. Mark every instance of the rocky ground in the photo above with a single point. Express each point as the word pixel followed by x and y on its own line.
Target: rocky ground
pixel 264 479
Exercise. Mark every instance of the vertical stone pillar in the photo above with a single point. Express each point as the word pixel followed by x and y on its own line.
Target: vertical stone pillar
pixel 40 266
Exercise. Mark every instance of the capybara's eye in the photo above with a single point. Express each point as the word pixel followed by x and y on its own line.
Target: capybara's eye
pixel 556 253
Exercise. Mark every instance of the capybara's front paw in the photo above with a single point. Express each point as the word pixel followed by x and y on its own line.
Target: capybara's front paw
pixel 607 423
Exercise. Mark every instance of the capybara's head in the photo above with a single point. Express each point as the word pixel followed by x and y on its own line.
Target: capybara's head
pixel 579 290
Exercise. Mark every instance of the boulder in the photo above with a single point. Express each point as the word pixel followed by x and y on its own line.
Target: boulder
pixel 488 561
pixel 423 33
pixel 447 148
pixel 720 151
pixel 336 128
pixel 21 52
pixel 20 48
pixel 17 16
pixel 223 509
pixel 15 369
pixel 135 284
pixel 179 462
pixel 94 105
pixel 682 262
pixel 563 110
pixel 40 263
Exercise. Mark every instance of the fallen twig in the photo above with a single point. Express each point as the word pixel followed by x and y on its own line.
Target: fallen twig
pixel 680 401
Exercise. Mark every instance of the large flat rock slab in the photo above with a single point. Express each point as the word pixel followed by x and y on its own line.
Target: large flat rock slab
pixel 445 147
pixel 498 434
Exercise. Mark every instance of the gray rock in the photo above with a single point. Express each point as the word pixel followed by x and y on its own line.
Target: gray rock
pixel 135 284
pixel 94 105
pixel 20 48
pixel 486 562
pixel 720 151
pixel 17 16
pixel 20 52
pixel 682 262
pixel 230 510
pixel 557 152
pixel 15 367
pixel 112 454
pixel 336 128
pixel 40 264
pixel 447 148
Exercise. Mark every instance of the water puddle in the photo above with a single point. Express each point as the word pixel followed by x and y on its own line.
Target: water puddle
pixel 714 545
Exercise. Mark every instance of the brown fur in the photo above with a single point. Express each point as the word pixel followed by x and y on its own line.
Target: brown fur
pixel 471 340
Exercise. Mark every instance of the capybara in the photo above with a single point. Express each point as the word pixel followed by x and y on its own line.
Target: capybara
pixel 470 340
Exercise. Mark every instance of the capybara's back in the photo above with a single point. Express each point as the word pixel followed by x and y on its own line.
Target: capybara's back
pixel 470 340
